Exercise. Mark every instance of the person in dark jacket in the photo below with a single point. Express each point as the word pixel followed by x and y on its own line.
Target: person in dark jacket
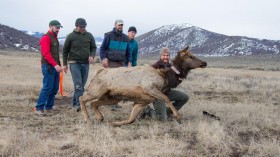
pixel 177 97
pixel 50 68
pixel 79 51
pixel 114 50
pixel 133 46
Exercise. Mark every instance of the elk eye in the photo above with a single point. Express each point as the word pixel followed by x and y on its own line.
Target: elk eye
pixel 191 57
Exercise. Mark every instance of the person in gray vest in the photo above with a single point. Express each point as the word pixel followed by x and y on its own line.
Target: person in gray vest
pixel 50 68
pixel 79 51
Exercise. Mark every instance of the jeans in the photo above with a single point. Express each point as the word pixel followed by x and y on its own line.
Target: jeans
pixel 49 89
pixel 177 97
pixel 79 74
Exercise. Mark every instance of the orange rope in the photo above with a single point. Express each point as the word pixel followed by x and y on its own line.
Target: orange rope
pixel 62 93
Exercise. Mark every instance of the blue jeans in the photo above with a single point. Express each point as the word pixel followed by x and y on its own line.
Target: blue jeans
pixel 79 74
pixel 49 89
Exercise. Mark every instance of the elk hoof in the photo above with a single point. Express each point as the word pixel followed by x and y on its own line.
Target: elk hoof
pixel 178 117
pixel 114 124
pixel 99 118
pixel 179 121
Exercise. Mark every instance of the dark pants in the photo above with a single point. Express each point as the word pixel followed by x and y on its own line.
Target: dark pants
pixel 116 64
pixel 49 89
pixel 79 74
pixel 177 97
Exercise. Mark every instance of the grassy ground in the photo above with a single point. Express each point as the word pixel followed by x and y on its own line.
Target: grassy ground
pixel 247 102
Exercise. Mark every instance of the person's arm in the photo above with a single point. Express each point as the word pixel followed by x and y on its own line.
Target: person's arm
pixel 92 47
pixel 66 50
pixel 104 47
pixel 92 51
pixel 65 54
pixel 128 55
pixel 156 65
pixel 45 43
pixel 135 55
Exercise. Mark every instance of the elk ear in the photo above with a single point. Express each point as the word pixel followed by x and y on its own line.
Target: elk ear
pixel 185 49
pixel 181 53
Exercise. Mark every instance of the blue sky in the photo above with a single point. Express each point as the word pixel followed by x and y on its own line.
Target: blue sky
pixel 251 18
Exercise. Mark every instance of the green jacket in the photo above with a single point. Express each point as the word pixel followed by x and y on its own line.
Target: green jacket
pixel 78 47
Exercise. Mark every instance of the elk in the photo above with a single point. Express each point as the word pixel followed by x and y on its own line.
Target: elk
pixel 141 85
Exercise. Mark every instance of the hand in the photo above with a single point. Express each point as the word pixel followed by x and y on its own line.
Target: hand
pixel 105 63
pixel 129 65
pixel 65 68
pixel 58 68
pixel 91 60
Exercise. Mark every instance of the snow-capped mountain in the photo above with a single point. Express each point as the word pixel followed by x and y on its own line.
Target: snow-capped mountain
pixel 35 34
pixel 203 42
pixel 13 39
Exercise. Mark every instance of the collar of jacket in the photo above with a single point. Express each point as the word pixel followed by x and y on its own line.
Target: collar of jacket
pixel 54 35
pixel 115 31
pixel 75 31
pixel 164 65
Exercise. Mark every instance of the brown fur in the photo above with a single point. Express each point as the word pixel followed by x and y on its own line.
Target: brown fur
pixel 140 84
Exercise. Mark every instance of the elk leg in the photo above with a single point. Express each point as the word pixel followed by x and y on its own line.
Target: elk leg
pixel 83 100
pixel 159 95
pixel 101 102
pixel 134 113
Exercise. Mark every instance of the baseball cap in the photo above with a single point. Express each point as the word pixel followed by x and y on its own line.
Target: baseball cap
pixel 55 23
pixel 80 22
pixel 119 22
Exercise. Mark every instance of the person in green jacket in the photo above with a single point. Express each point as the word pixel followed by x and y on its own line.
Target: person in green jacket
pixel 133 46
pixel 79 51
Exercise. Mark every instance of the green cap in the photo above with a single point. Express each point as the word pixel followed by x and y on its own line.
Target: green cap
pixel 55 23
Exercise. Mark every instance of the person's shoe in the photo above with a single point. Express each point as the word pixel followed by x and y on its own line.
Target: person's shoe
pixel 77 108
pixel 113 107
pixel 118 106
pixel 40 113
pixel 149 112
pixel 49 112
pixel 152 114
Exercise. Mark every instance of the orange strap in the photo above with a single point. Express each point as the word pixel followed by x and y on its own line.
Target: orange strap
pixel 62 93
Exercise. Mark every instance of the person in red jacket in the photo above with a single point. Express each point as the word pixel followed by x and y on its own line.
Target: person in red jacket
pixel 50 68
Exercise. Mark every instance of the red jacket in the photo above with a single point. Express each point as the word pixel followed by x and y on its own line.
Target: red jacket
pixel 45 43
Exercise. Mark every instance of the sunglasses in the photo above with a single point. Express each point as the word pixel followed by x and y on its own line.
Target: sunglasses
pixel 57 27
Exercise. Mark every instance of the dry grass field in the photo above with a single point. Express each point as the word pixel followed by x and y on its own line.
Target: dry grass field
pixel 247 102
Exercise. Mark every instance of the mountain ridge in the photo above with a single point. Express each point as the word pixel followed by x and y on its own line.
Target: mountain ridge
pixel 203 42
pixel 13 39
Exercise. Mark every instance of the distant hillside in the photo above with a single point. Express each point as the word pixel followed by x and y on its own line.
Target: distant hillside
pixel 203 42
pixel 13 39
pixel 35 34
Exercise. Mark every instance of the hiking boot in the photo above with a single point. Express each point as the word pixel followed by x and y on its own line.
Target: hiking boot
pixel 40 113
pixel 49 112
pixel 77 108
pixel 147 112
pixel 152 114
pixel 114 107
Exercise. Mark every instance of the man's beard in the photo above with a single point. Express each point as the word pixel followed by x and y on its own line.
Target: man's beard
pixel 119 30
pixel 55 32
